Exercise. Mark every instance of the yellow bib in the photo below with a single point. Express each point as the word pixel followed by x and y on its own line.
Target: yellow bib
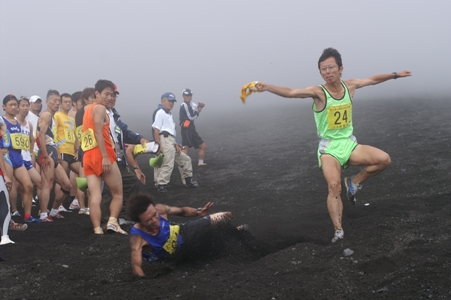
pixel 88 140
pixel 69 135
pixel 339 116
pixel 20 141
pixel 171 244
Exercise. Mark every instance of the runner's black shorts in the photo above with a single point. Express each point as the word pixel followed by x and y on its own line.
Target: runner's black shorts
pixel 70 159
pixel 194 229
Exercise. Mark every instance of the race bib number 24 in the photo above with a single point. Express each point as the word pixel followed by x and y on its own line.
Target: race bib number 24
pixel 339 116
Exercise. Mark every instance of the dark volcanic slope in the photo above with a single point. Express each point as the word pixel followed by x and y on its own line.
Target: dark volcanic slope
pixel 264 170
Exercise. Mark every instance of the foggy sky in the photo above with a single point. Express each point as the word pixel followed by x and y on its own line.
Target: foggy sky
pixel 214 47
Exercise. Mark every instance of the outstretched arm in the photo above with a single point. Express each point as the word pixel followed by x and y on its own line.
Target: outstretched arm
pixel 165 210
pixel 376 79
pixel 286 92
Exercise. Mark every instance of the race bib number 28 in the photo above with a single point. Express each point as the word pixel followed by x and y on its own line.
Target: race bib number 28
pixel 88 140
pixel 339 116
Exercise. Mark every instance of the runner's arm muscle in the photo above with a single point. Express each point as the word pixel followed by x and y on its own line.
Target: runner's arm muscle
pixel 136 246
pixel 44 121
pixel 99 113
pixel 376 79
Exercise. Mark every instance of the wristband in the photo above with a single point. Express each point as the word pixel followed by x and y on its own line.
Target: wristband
pixel 199 209
pixel 396 75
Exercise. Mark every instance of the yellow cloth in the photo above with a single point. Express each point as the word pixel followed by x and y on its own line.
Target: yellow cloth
pixel 248 89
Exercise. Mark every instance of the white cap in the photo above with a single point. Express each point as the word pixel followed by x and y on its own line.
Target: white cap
pixel 35 98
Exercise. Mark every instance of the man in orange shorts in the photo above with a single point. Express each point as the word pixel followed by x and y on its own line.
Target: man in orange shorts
pixel 99 160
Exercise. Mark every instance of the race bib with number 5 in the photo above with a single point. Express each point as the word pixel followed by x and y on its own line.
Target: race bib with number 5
pixel 20 141
pixel 339 116
pixel 88 140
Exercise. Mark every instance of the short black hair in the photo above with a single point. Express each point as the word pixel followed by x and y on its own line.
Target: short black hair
pixel 89 91
pixel 330 52
pixel 102 84
pixel 51 93
pixel 137 205
pixel 65 95
pixel 76 96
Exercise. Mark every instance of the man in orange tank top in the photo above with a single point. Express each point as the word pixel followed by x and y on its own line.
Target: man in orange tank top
pixel 99 160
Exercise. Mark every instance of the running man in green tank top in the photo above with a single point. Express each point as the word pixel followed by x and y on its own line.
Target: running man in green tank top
pixel 338 148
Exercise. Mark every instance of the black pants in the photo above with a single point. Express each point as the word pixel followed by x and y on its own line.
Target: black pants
pixel 130 186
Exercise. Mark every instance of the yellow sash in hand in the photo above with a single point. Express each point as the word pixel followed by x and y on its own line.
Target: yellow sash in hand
pixel 248 89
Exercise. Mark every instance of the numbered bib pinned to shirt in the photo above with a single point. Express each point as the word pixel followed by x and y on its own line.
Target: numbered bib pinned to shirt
pixel 20 141
pixel 339 116
pixel 171 244
pixel 69 136
pixel 88 140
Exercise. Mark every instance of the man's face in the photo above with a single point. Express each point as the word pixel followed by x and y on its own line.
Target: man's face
pixel 53 103
pixel 104 96
pixel 36 106
pixel 150 218
pixel 11 107
pixel 330 71
pixel 111 103
pixel 168 105
pixel 66 104
pixel 24 108
pixel 187 98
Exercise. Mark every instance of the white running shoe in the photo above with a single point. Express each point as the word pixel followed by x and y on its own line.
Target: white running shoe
pixel 74 204
pixel 339 234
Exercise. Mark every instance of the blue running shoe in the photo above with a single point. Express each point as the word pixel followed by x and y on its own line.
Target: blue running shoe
pixel 351 189
pixel 33 220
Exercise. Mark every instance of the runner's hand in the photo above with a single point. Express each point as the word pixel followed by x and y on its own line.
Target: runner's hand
pixel 46 163
pixel 8 182
pixel 143 142
pixel 140 176
pixel 206 209
pixel 404 73
pixel 106 165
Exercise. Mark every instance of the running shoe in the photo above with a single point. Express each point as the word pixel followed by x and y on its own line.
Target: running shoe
pixel 5 240
pixel 123 221
pixel 47 219
pixel 15 214
pixel 201 164
pixel 33 220
pixel 98 230
pixel 351 189
pixel 63 209
pixel 74 204
pixel 17 226
pixel 339 234
pixel 116 228
pixel 57 216
pixel 83 211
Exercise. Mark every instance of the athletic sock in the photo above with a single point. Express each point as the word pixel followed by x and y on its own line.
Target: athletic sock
pixel 53 212
pixel 43 215
pixel 201 161
pixel 112 220
pixel 27 216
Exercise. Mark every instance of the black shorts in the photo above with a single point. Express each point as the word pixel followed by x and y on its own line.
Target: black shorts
pixel 52 152
pixel 70 159
pixel 80 156
pixel 191 230
pixel 190 137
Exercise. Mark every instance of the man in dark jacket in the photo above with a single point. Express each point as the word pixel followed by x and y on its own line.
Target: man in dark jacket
pixel 189 111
